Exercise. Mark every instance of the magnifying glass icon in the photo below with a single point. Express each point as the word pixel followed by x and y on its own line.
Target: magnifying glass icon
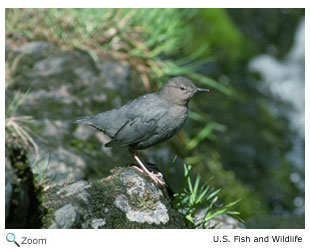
pixel 10 237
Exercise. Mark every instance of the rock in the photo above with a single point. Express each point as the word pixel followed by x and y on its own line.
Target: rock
pixel 222 221
pixel 63 85
pixel 125 199
pixel 157 213
pixel 76 189
pixel 49 66
pixel 65 217
pixel 38 49
pixel 116 73
pixel 97 223
pixel 58 166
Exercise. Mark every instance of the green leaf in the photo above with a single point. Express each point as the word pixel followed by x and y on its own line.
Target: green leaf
pixel 201 136
pixel 213 194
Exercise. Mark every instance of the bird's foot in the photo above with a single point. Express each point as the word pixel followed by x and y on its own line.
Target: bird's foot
pixel 156 177
pixel 158 174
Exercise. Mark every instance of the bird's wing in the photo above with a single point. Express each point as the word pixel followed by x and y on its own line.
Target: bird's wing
pixel 109 122
pixel 142 122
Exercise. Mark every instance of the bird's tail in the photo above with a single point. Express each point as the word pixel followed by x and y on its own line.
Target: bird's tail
pixel 83 120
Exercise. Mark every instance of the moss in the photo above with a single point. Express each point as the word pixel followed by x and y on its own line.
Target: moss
pixel 102 195
pixel 25 183
pixel 48 218
pixel 104 192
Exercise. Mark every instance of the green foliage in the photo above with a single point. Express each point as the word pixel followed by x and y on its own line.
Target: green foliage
pixel 215 27
pixel 11 109
pixel 19 125
pixel 204 134
pixel 193 197
pixel 143 38
pixel 40 170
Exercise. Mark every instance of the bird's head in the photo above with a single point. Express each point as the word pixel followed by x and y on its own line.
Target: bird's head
pixel 179 90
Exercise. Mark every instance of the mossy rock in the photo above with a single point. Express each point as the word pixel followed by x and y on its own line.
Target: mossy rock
pixel 125 199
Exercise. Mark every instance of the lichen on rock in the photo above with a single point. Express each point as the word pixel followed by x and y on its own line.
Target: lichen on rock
pixel 125 199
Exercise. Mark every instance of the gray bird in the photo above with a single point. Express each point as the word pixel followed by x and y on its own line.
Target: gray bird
pixel 147 120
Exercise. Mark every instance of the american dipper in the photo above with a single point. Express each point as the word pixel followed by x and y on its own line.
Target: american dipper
pixel 146 120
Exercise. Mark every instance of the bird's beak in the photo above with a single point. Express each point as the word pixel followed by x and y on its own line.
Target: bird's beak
pixel 202 90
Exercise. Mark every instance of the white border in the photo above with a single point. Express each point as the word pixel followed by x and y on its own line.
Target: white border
pixel 151 239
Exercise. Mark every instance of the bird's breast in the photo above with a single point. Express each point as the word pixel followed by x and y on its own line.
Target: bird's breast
pixel 172 121
pixel 167 125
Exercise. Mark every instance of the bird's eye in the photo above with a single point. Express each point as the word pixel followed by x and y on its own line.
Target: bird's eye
pixel 182 88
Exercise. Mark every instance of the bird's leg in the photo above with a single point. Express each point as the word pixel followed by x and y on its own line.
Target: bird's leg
pixel 154 177
pixel 144 169
pixel 133 153
pixel 138 169
pixel 152 169
pixel 158 174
